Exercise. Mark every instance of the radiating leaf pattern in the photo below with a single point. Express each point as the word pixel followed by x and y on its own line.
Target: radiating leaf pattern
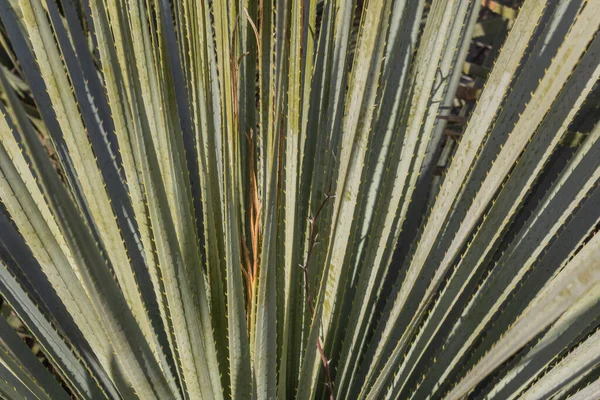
pixel 277 199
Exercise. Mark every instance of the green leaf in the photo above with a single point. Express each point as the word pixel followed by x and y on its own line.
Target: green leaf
pixel 19 359
pixel 52 343
pixel 580 276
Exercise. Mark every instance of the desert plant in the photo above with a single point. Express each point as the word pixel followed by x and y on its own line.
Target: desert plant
pixel 243 199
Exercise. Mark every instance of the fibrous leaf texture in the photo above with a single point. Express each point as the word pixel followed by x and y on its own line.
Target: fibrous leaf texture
pixel 297 199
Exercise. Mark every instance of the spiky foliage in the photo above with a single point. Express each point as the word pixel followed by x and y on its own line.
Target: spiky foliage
pixel 243 199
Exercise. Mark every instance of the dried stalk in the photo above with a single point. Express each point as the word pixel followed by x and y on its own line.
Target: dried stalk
pixel 312 243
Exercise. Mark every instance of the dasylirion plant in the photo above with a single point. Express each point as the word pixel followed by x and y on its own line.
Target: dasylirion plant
pixel 299 199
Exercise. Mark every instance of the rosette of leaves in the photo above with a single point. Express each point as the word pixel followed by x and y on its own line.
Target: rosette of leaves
pixel 282 199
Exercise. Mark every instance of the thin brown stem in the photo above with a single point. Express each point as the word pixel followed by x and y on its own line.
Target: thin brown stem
pixel 311 245
pixel 251 257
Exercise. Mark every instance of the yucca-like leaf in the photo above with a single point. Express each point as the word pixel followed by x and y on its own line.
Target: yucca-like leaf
pixel 243 198
pixel 574 281
pixel 63 355
pixel 21 362
pixel 102 305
